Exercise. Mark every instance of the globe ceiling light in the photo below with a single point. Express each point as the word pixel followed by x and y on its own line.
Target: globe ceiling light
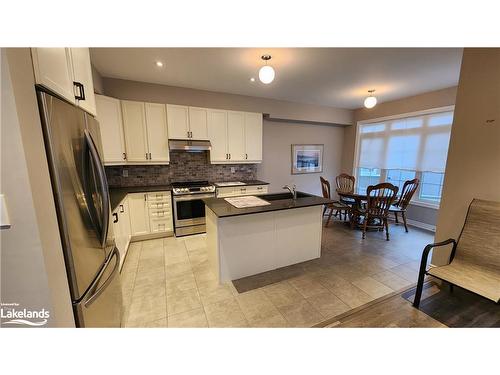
pixel 266 73
pixel 370 101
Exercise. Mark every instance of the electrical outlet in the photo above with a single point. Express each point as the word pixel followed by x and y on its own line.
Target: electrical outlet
pixel 233 170
pixel 125 173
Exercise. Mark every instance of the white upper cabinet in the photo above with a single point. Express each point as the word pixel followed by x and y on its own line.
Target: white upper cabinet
pixel 134 127
pixel 109 115
pixel 82 77
pixel 198 123
pixel 67 72
pixel 217 133
pixel 156 125
pixel 52 67
pixel 236 135
pixel 253 137
pixel 178 121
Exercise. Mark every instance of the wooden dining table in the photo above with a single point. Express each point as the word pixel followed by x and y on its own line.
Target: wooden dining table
pixel 357 204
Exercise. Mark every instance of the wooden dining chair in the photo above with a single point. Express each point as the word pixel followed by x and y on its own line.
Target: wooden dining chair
pixel 409 188
pixel 336 206
pixel 378 201
pixel 345 184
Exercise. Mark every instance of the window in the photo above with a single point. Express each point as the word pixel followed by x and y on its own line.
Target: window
pixel 367 177
pixel 431 186
pixel 400 149
pixel 398 177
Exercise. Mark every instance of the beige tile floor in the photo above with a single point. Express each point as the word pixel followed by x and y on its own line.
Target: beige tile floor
pixel 168 282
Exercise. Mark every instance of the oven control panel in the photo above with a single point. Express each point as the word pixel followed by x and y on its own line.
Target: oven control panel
pixel 194 190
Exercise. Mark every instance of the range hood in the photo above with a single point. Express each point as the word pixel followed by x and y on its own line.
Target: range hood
pixel 189 145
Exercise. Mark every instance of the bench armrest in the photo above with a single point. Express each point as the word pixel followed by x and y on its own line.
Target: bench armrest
pixel 429 247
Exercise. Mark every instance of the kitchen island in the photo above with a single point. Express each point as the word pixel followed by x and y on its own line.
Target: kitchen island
pixel 247 241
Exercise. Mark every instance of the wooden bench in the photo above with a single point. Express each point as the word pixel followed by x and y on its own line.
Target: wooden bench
pixel 475 257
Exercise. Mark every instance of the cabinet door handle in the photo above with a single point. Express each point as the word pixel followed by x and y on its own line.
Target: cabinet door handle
pixel 144 197
pixel 115 215
pixel 246 156
pixel 229 156
pixel 150 156
pixel 124 156
pixel 81 91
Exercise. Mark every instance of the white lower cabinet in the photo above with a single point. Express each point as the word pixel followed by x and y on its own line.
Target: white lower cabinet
pixel 238 191
pixel 121 228
pixel 139 214
pixel 150 213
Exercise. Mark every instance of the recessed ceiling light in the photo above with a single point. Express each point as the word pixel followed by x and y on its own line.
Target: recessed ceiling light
pixel 252 79
pixel 159 64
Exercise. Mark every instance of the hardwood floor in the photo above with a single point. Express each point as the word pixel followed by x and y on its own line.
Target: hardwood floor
pixel 393 312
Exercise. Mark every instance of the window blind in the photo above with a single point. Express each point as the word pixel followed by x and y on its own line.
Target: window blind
pixel 418 143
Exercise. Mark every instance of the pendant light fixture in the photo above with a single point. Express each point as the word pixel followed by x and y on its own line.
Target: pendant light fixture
pixel 266 73
pixel 370 101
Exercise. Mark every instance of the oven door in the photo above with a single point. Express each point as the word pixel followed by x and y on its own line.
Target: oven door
pixel 190 209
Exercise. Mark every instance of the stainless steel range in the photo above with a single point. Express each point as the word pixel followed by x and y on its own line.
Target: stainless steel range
pixel 189 209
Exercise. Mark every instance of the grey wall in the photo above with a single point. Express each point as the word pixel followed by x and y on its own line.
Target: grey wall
pixel 473 164
pixel 276 164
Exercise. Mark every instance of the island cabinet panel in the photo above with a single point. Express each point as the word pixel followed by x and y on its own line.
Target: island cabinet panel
pixel 246 245
pixel 290 248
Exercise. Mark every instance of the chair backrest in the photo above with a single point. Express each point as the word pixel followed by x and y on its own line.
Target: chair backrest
pixel 409 188
pixel 479 242
pixel 380 198
pixel 325 187
pixel 345 183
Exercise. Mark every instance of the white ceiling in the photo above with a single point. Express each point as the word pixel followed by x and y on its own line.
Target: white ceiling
pixel 337 77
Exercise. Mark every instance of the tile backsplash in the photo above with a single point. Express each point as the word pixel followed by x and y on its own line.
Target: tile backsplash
pixel 184 166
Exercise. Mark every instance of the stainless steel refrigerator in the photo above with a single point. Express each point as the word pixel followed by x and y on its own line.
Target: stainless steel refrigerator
pixel 74 153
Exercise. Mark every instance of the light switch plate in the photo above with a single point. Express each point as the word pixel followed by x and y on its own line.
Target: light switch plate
pixel 233 170
pixel 4 214
pixel 125 173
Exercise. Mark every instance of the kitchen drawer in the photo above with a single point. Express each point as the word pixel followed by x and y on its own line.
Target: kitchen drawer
pixel 160 213
pixel 158 205
pixel 161 225
pixel 256 189
pixel 161 196
pixel 241 190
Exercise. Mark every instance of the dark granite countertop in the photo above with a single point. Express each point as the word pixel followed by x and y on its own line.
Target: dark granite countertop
pixel 116 194
pixel 221 208
pixel 245 182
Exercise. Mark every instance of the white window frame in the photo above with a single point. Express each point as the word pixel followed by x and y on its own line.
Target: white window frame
pixel 414 201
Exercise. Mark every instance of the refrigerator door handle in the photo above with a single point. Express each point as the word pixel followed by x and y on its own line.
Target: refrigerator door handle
pixel 104 186
pixel 96 291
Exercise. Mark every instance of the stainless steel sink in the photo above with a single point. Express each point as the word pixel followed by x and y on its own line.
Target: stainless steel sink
pixel 280 196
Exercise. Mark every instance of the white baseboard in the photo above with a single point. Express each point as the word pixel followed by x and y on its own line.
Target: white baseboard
pixel 417 224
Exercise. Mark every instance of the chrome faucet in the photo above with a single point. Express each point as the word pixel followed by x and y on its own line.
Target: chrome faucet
pixel 292 191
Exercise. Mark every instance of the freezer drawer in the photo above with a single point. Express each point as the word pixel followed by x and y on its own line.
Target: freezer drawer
pixel 101 306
